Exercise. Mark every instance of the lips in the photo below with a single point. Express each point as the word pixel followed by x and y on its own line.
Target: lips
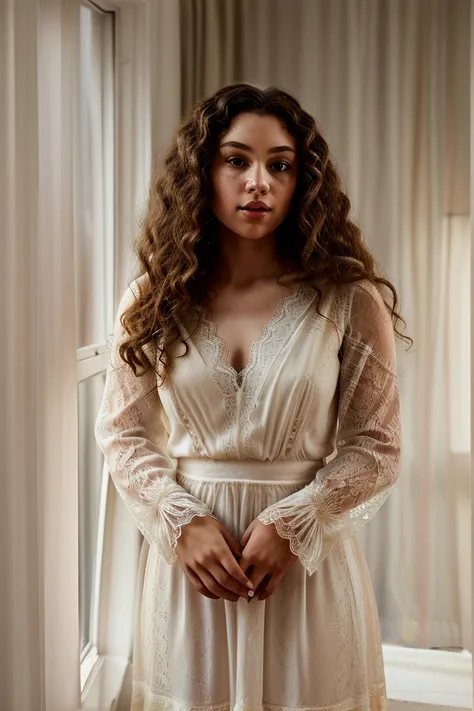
pixel 255 207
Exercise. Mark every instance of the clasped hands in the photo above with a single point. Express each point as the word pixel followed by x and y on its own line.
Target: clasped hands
pixel 219 566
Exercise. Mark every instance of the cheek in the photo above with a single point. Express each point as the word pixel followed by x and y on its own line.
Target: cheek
pixel 291 186
pixel 221 199
pixel 224 193
pixel 287 192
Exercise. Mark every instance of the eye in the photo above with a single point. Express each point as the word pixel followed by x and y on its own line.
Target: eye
pixel 231 161
pixel 283 166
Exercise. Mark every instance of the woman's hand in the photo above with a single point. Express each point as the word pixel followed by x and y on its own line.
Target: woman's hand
pixel 208 551
pixel 268 554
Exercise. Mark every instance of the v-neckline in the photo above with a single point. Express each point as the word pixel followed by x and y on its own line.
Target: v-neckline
pixel 238 377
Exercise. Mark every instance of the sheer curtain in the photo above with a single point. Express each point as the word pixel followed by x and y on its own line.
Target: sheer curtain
pixel 388 83
pixel 38 519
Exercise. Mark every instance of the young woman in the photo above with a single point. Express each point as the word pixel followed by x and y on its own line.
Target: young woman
pixel 255 344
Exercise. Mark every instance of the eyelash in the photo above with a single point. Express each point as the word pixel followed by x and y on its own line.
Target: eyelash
pixel 278 162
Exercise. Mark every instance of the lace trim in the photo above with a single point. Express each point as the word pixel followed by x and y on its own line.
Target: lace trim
pixel 276 333
pixel 264 349
pixel 197 444
pixel 163 702
pixel 293 447
pixel 163 511
pixel 284 305
pixel 374 700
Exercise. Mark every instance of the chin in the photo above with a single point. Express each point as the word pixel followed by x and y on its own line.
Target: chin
pixel 253 236
pixel 252 232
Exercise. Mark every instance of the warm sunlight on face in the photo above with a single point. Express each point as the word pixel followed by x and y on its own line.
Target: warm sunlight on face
pixel 255 163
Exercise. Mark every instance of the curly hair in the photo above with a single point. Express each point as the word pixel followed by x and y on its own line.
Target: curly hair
pixel 177 242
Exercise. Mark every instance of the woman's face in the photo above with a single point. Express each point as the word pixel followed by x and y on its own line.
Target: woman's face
pixel 256 161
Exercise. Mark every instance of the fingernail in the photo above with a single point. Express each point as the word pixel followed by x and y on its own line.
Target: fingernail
pixel 249 585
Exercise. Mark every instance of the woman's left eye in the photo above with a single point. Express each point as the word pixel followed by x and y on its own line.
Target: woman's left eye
pixel 283 166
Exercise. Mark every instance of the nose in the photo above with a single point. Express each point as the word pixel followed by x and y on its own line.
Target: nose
pixel 257 182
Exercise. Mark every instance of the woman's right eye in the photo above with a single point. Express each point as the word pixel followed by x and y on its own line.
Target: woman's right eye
pixel 231 161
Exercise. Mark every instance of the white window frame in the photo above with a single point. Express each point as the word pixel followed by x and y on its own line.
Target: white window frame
pixel 93 359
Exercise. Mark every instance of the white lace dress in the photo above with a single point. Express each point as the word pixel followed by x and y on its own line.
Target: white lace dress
pixel 256 445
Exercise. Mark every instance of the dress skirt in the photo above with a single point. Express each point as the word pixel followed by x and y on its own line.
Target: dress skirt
pixel 314 644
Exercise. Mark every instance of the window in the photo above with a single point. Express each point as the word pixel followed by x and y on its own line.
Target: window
pixel 94 277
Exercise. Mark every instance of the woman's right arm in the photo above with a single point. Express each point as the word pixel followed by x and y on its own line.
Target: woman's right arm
pixel 130 433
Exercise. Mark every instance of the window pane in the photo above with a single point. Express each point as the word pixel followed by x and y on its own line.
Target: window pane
pixel 90 493
pixel 94 180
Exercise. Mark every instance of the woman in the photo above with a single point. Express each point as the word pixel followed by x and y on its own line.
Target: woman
pixel 255 344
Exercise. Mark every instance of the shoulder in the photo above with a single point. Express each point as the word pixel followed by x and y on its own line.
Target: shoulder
pixel 354 307
pixel 354 298
pixel 368 322
pixel 133 292
pixel 139 285
pixel 364 296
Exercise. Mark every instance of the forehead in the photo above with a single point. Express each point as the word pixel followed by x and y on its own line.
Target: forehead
pixel 265 130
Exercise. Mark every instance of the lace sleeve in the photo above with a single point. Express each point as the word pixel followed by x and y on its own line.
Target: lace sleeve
pixel 130 433
pixel 349 490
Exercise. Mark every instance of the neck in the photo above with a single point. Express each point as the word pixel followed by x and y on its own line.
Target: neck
pixel 242 262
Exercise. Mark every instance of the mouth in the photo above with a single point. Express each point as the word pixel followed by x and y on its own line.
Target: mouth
pixel 254 212
pixel 255 208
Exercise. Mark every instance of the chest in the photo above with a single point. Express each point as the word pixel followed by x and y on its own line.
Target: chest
pixel 282 378
pixel 241 318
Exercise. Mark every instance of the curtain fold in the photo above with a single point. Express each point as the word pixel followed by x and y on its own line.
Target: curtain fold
pixel 39 651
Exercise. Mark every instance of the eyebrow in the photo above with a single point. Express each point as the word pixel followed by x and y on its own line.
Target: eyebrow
pixel 243 147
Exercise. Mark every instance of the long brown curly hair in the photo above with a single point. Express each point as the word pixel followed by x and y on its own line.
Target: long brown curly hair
pixel 178 241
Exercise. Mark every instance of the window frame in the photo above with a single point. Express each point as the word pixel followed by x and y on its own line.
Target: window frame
pixel 92 360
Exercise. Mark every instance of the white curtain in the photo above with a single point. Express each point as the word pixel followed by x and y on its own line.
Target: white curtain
pixel 39 643
pixel 149 110
pixel 388 83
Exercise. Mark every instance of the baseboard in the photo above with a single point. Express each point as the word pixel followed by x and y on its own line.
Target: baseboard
pixel 426 679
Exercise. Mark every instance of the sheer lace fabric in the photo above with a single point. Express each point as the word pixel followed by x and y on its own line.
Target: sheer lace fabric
pixel 352 487
pixel 130 433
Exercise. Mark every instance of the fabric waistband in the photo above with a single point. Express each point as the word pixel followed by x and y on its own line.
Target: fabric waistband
pixel 249 470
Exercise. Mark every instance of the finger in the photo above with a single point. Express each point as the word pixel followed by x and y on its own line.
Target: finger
pixel 275 579
pixel 234 569
pixel 227 580
pixel 263 586
pixel 233 544
pixel 247 534
pixel 244 564
pixel 212 584
pixel 256 576
pixel 199 585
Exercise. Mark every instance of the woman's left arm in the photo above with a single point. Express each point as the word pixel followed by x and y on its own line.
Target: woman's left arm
pixel 349 490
